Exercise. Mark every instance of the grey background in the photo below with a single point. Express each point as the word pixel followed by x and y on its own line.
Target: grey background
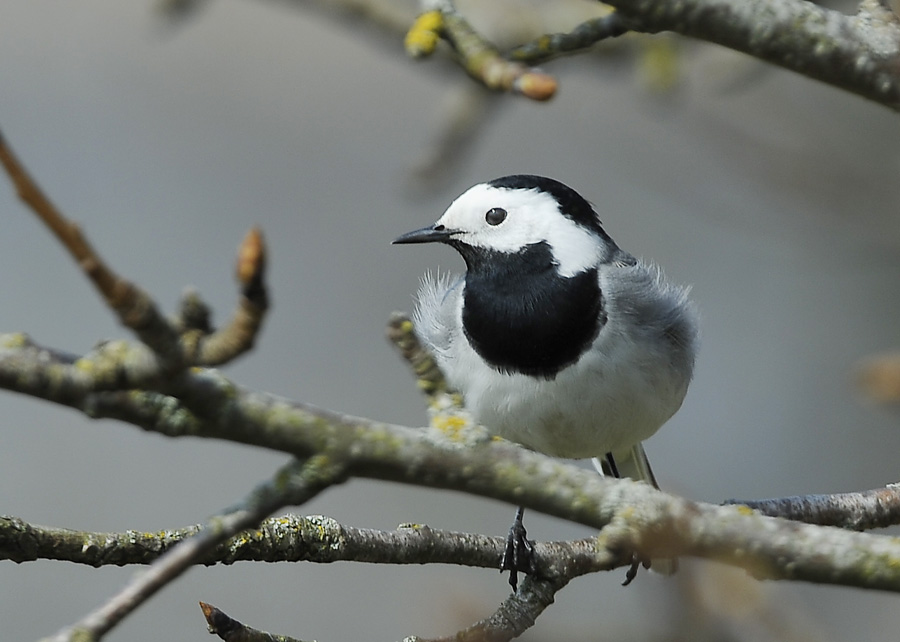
pixel 774 196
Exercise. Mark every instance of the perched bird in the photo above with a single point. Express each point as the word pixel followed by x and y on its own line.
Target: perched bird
pixel 557 339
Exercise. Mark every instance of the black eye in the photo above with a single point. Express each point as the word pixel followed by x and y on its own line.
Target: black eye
pixel 495 216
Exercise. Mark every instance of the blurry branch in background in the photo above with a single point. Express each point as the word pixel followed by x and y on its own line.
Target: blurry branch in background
pixel 878 378
pixel 499 44
pixel 463 116
pixel 465 107
pixel 157 384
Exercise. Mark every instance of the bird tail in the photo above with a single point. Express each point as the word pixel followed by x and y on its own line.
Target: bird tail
pixel 633 463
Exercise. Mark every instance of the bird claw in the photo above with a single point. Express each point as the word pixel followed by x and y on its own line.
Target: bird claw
pixel 631 573
pixel 519 554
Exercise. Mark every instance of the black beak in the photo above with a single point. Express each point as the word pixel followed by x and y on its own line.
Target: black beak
pixel 433 234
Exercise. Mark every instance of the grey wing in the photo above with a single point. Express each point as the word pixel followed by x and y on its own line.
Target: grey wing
pixel 658 310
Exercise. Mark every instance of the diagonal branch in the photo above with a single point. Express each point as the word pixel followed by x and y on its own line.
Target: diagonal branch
pixel 296 483
pixel 429 378
pixel 132 305
pixel 172 350
pixel 227 628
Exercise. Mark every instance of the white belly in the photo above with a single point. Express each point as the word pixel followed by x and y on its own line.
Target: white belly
pixel 614 397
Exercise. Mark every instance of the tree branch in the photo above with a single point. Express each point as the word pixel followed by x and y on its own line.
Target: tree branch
pixel 294 538
pixel 878 508
pixel 476 55
pixel 170 349
pixel 514 617
pixel 230 630
pixel 658 525
pixel 296 483
pixel 429 378
pixel 860 53
pixel 582 37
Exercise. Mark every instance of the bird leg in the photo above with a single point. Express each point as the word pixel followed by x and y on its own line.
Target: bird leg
pixel 519 553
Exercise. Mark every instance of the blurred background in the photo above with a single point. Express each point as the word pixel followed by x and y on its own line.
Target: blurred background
pixel 774 196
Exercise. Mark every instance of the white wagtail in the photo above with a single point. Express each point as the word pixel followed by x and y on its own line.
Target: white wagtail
pixel 557 339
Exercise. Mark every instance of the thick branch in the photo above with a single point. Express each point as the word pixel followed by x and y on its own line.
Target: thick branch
pixel 860 53
pixel 658 525
pixel 293 538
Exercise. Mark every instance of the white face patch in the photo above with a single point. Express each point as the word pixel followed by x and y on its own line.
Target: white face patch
pixel 532 216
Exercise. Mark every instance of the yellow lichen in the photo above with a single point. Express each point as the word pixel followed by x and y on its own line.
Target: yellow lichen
pixel 15 340
pixel 421 40
pixel 451 425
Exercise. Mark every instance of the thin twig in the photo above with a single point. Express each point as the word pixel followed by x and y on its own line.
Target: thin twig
pixel 227 628
pixel 483 61
pixel 239 335
pixel 429 377
pixel 582 37
pixel 515 615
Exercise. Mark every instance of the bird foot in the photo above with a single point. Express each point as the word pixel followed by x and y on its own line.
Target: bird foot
pixel 519 554
pixel 631 573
